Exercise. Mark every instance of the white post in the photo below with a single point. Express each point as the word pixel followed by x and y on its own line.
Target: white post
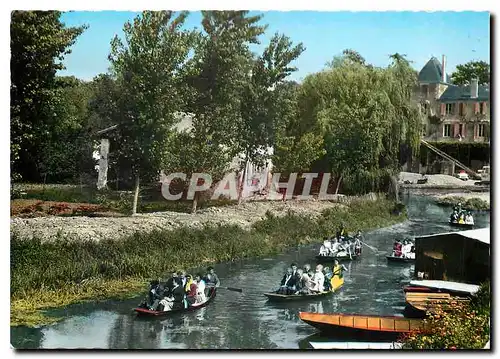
pixel 103 164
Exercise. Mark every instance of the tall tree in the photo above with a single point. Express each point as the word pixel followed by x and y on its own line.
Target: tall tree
pixel 147 67
pixel 217 77
pixel 472 69
pixel 39 41
pixel 261 112
pixel 365 114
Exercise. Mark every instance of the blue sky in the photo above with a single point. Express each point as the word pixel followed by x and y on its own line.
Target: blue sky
pixel 461 36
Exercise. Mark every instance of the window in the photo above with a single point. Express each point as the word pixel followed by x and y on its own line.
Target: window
pixel 425 90
pixel 447 130
pixel 482 108
pixel 425 107
pixel 461 109
pixel 449 108
pixel 480 130
pixel 461 130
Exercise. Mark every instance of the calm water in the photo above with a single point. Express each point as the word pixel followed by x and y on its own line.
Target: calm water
pixel 245 320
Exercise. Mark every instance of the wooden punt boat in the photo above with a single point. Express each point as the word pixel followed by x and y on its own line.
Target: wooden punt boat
pixel 432 302
pixel 331 259
pixel 410 288
pixel 446 286
pixel 367 326
pixel 159 313
pixel 399 259
pixel 337 283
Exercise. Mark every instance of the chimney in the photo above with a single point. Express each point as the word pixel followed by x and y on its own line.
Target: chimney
pixel 443 70
pixel 474 88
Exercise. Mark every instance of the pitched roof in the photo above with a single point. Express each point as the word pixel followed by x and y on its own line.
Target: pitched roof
pixel 455 93
pixel 432 72
pixel 481 235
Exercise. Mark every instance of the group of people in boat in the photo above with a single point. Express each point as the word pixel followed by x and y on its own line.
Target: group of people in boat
pixel 405 249
pixel 180 291
pixel 305 280
pixel 341 243
pixel 461 216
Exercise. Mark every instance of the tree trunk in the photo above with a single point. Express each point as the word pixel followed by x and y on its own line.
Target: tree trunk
pixel 395 188
pixel 338 185
pixel 242 183
pixel 195 202
pixel 136 195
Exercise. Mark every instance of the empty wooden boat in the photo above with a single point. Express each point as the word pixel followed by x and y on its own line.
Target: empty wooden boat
pixel 446 286
pixel 432 302
pixel 368 326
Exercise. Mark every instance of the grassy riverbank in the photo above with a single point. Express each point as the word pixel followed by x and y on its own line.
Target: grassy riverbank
pixel 48 274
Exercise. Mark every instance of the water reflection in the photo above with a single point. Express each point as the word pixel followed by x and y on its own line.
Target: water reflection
pixel 246 320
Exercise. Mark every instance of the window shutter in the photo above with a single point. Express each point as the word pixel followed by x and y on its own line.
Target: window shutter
pixel 475 131
pixel 476 108
pixel 465 130
pixel 443 109
pixel 455 134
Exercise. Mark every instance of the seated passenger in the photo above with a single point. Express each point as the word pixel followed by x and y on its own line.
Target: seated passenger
pixel 211 279
pixel 318 279
pixel 191 289
pixel 200 289
pixel 326 247
pixel 287 284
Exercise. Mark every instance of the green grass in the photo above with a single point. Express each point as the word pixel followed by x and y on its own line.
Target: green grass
pixel 39 268
pixel 473 204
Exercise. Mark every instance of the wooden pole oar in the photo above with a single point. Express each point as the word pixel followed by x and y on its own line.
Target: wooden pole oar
pixel 228 288
pixel 372 248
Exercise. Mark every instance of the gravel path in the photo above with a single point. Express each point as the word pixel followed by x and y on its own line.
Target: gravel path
pixel 88 228
pixel 437 180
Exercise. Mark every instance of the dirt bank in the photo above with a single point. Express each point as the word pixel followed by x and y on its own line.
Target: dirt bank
pixel 88 228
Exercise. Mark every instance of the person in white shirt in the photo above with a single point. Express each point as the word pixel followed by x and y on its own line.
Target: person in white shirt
pixel 326 247
pixel 318 279
pixel 200 290
pixel 335 247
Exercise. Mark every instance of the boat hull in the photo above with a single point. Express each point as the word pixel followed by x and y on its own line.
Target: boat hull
pixel 399 259
pixel 361 326
pixel 337 283
pixel 144 312
pixel 461 225
pixel 329 259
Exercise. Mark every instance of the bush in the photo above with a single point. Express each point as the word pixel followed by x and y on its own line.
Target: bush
pixel 466 326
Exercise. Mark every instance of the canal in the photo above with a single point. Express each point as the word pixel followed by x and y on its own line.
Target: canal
pixel 245 320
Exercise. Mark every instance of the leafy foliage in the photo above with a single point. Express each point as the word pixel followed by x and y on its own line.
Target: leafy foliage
pixel 365 114
pixel 39 42
pixel 466 326
pixel 472 69
pixel 147 68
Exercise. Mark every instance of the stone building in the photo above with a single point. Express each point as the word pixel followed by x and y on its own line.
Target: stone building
pixel 454 113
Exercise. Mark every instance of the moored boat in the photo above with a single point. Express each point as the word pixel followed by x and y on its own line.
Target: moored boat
pixel 446 286
pixel 432 302
pixel 356 325
pixel 212 291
